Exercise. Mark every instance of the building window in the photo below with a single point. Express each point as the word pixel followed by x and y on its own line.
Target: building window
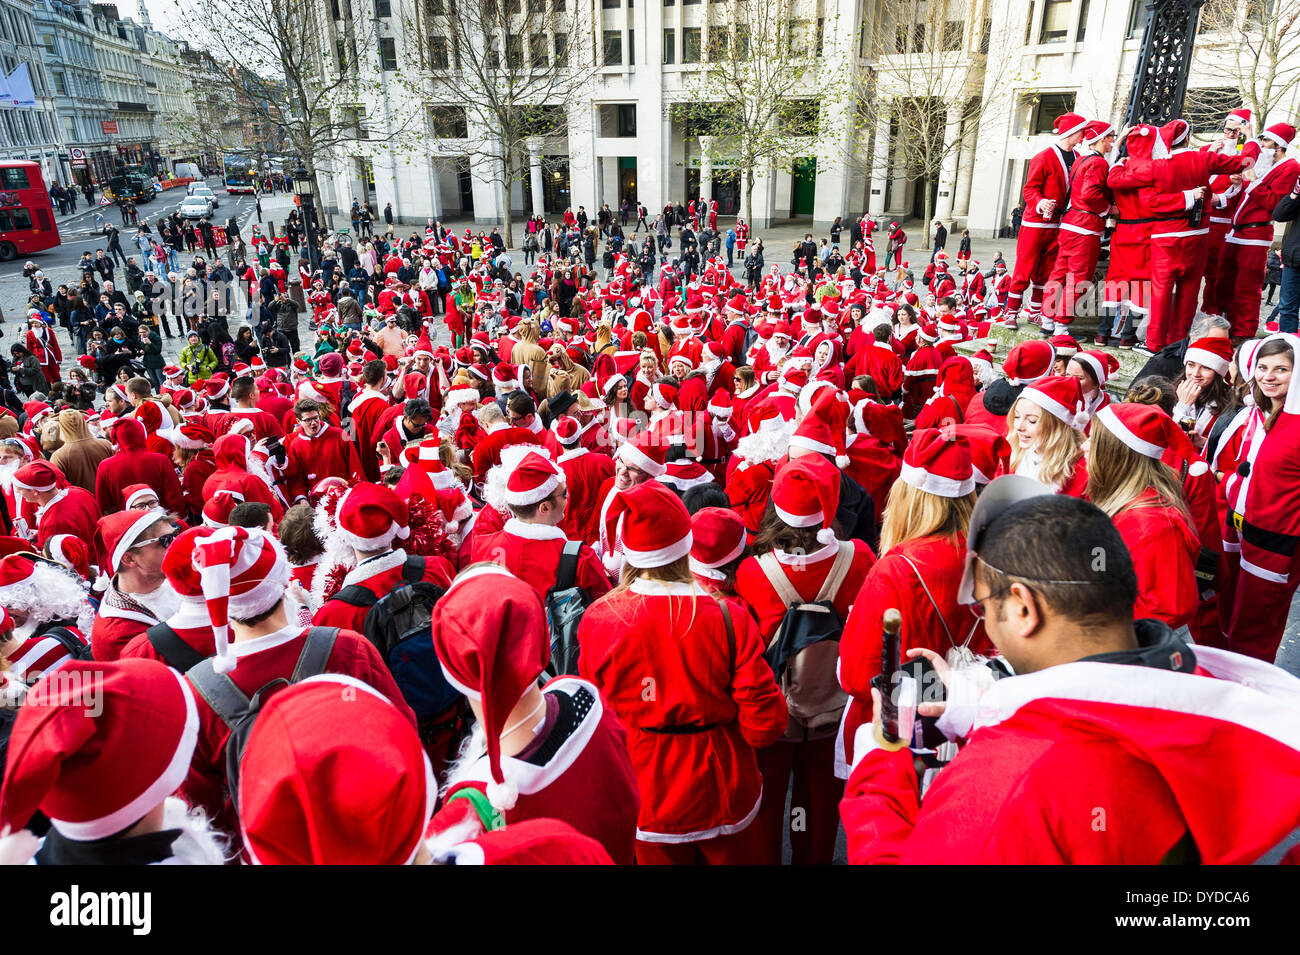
pixel 1205 108
pixel 688 3
pixel 631 48
pixel 719 43
pixel 669 3
pixel 1050 106
pixel 537 49
pixel 670 47
pixel 1137 18
pixel 438 52
pixel 449 122
pixel 690 44
pixel 561 49
pixel 335 13
pixel 383 8
pixel 952 35
pixel 388 54
pixel 1083 21
pixel 627 119
pixel 60 84
pixel 613 46
pixel 918 38
pixel 610 4
pixel 514 51
pixel 900 38
pixel 1056 21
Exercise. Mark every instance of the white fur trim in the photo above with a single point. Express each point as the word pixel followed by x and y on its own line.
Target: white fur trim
pixel 937 484
pixel 634 456
pixel 659 556
pixel 1115 426
pixel 537 532
pixel 798 520
pixel 1209 359
pixel 1051 406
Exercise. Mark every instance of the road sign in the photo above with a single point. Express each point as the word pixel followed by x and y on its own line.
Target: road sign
pixel 77 153
pixel 109 126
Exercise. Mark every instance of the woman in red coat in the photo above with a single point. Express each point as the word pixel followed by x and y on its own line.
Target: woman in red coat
pixel 1042 430
pixel 923 549
pixel 799 559
pixel 1144 497
pixel 685 672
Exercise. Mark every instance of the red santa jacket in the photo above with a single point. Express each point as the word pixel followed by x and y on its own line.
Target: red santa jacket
pixel 71 511
pixel 487 454
pixel 119 620
pixel 194 477
pixel 584 473
pixel 366 409
pixel 806 573
pixel 532 553
pixel 1151 757
pixel 1090 197
pixel 265 424
pixel 1164 549
pixel 191 623
pixel 132 464
pixel 879 362
pixel 692 741
pixel 875 466
pixel 587 780
pixel 380 575
pixel 1048 178
pixel 1252 223
pixel 309 460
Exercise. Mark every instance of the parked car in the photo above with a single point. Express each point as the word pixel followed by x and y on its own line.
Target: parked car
pixel 202 189
pixel 196 207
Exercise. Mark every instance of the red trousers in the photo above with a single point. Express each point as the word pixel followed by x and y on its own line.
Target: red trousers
pixel 1076 261
pixel 1213 249
pixel 1240 286
pixel 740 848
pixel 1177 264
pixel 1259 613
pixel 1130 268
pixel 1035 256
pixel 814 804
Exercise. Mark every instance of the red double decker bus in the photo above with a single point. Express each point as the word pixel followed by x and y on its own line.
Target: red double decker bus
pixel 26 213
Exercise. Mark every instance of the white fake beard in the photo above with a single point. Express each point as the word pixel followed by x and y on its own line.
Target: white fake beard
pixel 49 594
pixel 775 353
pixel 7 474
pixel 198 843
pixel 1263 163
pixel 472 749
pixel 163 603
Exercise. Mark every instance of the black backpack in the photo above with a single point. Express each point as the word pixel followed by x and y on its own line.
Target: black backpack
pixel 399 624
pixel 240 712
pixel 565 604
pixel 76 647
pixel 176 653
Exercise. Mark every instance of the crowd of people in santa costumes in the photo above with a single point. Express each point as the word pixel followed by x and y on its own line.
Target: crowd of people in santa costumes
pixel 606 580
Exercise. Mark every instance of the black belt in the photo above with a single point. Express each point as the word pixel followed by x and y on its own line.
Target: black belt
pixel 1182 217
pixel 1251 225
pixel 688 729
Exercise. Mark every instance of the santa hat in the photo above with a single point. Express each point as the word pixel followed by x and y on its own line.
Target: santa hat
pixel 792 379
pixel 35 411
pixel 1147 430
pixel 1064 345
pixel 652 525
pixel 334 774
pixel 505 376
pixel 1061 396
pixel 72 552
pixel 718 538
pixel 136 492
pixel 806 492
pixel 241 370
pixel 370 516
pixel 117 390
pixel 567 430
pixel 1242 115
pixel 119 532
pixel 1067 124
pixel 532 480
pixel 720 404
pixel 988 451
pixel 1281 133
pixel 927 332
pixel 96 771
pixel 1096 131
pixel 244 573
pixel 172 372
pixel 1029 362
pixel 825 426
pixel 939 462
pixel 981 362
pixel 423 347
pixel 645 452
pixel 190 437
pixel 1213 353
pixel 217 387
pixel 490 634
pixel 178 563
pixel 217 508
pixel 665 395
pixel 1103 364
pixel 301 366
pixel 1175 131
pixel 460 396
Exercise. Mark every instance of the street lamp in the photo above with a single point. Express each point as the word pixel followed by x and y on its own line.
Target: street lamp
pixel 304 187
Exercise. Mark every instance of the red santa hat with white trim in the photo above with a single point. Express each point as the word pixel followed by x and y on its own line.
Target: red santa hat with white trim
pixel 718 538
pixel 333 774
pixel 1213 353
pixel 1096 131
pixel 489 631
pixel 96 771
pixel 1029 362
pixel 651 525
pixel 1149 431
pixel 244 572
pixel 118 533
pixel 506 376
pixel 532 480
pixel 1061 396
pixel 178 563
pixel 371 517
pixel 217 508
pixel 39 476
pixel 938 461
pixel 824 428
pixel 1067 124
pixel 567 430
pixel 1064 345
pixel 137 492
pixel 806 492
pixel 720 404
pixel 1102 364
pixel 217 387
pixel 1281 133
pixel 988 451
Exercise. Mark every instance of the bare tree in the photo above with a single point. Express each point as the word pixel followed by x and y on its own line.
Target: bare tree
pixel 928 84
pixel 500 74
pixel 757 98
pixel 310 66
pixel 1255 46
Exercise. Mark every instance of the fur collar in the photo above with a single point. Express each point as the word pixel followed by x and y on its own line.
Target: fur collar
pixel 374 566
pixel 536 532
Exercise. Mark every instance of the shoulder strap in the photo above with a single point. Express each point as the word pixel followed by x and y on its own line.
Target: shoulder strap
pixel 567 571
pixel 354 595
pixel 316 650
pixel 933 603
pixel 176 653
pixel 839 570
pixel 731 631
pixel 66 637
pixel 413 569
pixel 776 576
pixel 222 694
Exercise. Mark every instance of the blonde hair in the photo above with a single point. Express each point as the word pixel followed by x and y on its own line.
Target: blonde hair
pixel 679 571
pixel 1118 475
pixel 1059 444
pixel 913 513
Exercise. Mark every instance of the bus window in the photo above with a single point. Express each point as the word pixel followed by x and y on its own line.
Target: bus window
pixel 6 221
pixel 14 178
pixel 22 219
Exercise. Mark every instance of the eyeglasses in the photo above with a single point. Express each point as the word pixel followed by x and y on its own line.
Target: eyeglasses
pixel 165 540
pixel 977 603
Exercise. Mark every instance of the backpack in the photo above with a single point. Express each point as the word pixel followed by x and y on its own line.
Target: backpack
pixel 240 712
pixel 76 647
pixel 399 624
pixel 565 605
pixel 176 653
pixel 805 649
pixel 751 336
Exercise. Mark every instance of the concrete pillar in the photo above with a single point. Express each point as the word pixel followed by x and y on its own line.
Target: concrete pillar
pixel 880 155
pixel 965 170
pixel 943 204
pixel 535 173
pixel 706 167
pixel 435 191
pixel 582 158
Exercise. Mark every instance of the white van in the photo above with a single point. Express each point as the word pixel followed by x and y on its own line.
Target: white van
pixel 187 170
